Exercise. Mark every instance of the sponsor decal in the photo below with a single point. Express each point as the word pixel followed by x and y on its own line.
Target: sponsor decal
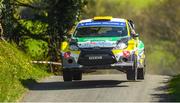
pixel 96 44
pixel 105 23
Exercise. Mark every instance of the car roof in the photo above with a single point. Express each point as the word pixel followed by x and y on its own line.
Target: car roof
pixel 113 20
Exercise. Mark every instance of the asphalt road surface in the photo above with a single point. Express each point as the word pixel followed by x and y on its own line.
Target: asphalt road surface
pixel 98 88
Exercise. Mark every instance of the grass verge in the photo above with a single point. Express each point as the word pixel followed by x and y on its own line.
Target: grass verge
pixel 175 88
pixel 15 66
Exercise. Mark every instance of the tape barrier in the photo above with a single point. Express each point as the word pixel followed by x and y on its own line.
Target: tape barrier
pixel 46 62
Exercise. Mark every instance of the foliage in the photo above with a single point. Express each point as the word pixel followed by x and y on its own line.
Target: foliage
pixel 115 8
pixel 174 88
pixel 35 27
pixel 40 20
pixel 37 49
pixel 62 15
pixel 161 59
pixel 163 31
pixel 7 17
pixel 15 66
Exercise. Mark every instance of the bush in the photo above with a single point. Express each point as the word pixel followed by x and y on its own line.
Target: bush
pixel 174 88
pixel 37 49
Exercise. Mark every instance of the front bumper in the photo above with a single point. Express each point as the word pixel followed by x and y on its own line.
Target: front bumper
pixel 123 65
pixel 110 60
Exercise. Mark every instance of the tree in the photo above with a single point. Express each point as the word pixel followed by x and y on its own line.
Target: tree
pixel 62 15
pixel 7 18
pixel 22 19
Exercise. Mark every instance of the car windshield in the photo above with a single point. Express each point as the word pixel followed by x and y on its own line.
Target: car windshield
pixel 101 31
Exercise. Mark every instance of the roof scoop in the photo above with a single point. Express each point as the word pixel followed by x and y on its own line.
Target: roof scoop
pixel 102 18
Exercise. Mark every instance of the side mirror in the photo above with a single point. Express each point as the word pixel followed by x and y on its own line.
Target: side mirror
pixel 133 26
pixel 136 35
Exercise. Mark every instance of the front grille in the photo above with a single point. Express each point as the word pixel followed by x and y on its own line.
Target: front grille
pixel 95 62
pixel 106 54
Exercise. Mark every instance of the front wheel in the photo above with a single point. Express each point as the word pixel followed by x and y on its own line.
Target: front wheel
pixel 131 73
pixel 77 75
pixel 140 73
pixel 67 75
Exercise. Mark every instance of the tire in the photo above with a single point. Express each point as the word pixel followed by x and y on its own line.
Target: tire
pixel 132 72
pixel 67 75
pixel 140 73
pixel 77 75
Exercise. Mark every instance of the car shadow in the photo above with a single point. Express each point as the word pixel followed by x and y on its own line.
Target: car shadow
pixel 32 84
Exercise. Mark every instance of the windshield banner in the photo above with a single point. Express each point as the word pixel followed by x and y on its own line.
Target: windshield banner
pixel 100 23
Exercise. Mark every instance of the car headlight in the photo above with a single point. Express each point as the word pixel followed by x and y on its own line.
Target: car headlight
pixel 73 47
pixel 121 46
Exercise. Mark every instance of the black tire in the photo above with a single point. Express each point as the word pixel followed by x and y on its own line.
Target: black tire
pixel 77 75
pixel 140 73
pixel 67 75
pixel 132 72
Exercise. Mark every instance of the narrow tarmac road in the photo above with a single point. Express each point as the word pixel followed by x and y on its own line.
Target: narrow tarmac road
pixel 99 88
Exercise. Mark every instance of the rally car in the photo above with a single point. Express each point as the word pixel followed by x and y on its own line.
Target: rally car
pixel 103 43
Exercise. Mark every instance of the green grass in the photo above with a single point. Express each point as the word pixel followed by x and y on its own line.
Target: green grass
pixel 175 88
pixel 15 67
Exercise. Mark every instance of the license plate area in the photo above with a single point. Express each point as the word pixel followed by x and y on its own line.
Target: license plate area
pixel 95 57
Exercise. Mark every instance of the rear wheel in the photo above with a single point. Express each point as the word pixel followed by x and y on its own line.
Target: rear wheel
pixel 140 73
pixel 77 75
pixel 67 75
pixel 132 72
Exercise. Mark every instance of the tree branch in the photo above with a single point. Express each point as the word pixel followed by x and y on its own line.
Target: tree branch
pixel 27 5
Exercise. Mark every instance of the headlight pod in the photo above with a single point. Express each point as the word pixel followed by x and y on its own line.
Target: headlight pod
pixel 121 46
pixel 73 47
